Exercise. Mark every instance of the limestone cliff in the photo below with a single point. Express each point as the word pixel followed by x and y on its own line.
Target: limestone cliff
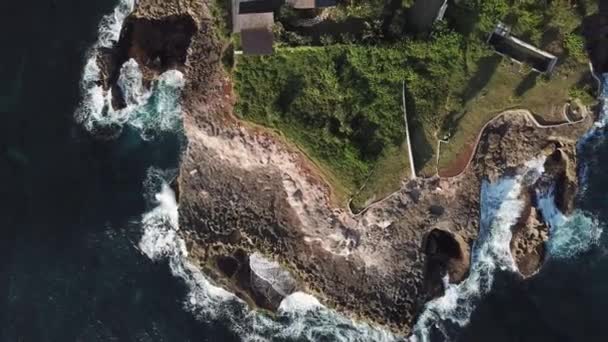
pixel 244 191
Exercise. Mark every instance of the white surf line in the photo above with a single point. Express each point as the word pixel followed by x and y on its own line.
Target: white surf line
pixel 300 316
pixel 597 79
pixel 569 235
pixel 524 112
pixel 501 207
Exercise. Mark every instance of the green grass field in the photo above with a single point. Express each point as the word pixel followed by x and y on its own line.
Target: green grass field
pixel 340 103
pixel 495 84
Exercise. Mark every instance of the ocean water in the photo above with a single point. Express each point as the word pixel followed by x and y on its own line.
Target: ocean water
pixel 89 240
pixel 70 224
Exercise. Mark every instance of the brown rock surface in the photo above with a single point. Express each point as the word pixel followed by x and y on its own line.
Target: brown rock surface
pixel 445 253
pixel 244 190
pixel 512 140
pixel 528 243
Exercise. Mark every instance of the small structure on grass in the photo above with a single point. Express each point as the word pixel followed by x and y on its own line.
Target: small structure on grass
pixel 256 33
pixel 254 20
pixel 519 51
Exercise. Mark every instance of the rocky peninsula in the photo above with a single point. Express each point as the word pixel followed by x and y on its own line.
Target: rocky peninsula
pixel 247 196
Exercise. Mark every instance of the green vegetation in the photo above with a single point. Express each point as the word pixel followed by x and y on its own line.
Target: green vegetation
pixel 327 100
pixel 340 101
pixel 363 9
pixel 222 19
pixel 342 104
pixel 494 84
pixel 575 46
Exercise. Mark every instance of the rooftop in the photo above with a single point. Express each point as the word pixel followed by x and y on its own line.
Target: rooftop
pixel 256 32
pixel 257 41
pixel 507 45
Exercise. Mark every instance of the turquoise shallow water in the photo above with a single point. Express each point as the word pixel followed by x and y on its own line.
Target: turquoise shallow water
pixel 566 300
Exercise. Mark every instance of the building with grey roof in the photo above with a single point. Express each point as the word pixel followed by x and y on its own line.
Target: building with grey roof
pixel 519 51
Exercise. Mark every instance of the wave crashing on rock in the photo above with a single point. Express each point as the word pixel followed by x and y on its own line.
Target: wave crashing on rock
pixel 300 315
pixel 501 206
pixel 149 110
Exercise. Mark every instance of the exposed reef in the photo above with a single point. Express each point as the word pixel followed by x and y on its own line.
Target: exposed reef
pixel 244 191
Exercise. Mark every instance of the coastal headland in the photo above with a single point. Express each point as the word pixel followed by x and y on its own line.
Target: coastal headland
pixel 300 157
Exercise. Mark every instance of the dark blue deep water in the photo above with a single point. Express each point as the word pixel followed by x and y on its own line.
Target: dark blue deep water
pixel 71 205
pixel 70 268
pixel 567 300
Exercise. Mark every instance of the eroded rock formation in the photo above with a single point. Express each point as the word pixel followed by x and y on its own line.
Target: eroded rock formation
pixel 448 254
pixel 528 242
pixel 514 139
pixel 244 190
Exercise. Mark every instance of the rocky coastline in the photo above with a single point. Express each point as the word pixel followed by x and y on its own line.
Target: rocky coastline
pixel 246 193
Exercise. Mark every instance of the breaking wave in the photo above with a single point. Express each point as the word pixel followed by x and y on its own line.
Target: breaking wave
pixel 501 207
pixel 111 24
pixel 300 316
pixel 571 235
pixel 568 235
pixel 149 111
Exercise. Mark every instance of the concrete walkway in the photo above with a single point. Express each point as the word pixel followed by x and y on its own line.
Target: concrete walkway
pixel 407 138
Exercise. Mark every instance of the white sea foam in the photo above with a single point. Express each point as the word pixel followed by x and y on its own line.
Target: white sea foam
pixel 594 136
pixel 111 24
pixel 300 315
pixel 149 111
pixel 299 302
pixel 568 235
pixel 571 235
pixel 501 207
pixel 160 111
pixel 131 83
pixel 108 34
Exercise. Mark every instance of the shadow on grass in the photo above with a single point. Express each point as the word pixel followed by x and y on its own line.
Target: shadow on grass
pixel 527 83
pixel 290 92
pixel 392 11
pixel 337 30
pixel 462 19
pixel 485 70
pixel 422 149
